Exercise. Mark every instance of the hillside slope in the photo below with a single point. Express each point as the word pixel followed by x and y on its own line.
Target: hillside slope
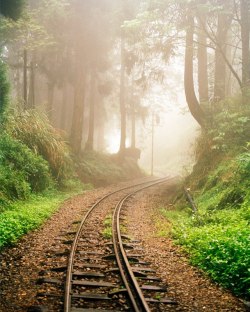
pixel 217 236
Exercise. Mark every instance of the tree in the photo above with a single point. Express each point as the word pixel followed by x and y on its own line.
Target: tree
pixel 11 8
pixel 4 90
pixel 202 57
pixel 245 29
pixel 223 25
pixel 92 101
pixel 193 104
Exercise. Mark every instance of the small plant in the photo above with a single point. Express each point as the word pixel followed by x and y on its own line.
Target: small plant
pixel 107 231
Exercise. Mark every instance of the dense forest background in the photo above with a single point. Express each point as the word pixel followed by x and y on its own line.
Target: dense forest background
pixel 90 66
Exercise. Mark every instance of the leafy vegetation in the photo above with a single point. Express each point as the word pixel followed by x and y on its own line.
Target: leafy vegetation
pixel 218 236
pixel 33 129
pixel 107 231
pixel 34 159
pixel 21 171
pixel 21 217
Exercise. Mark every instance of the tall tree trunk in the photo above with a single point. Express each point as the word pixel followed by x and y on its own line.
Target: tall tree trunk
pixel 100 141
pixel 245 28
pixel 133 124
pixel 64 106
pixel 31 100
pixel 90 141
pixel 122 98
pixel 224 22
pixel 25 79
pixel 78 112
pixel 51 93
pixel 202 63
pixel 193 104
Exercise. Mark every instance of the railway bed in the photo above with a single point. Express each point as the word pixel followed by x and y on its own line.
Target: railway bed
pixel 95 267
pixel 34 271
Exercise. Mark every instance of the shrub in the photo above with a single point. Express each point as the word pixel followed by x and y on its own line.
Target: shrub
pixel 223 252
pixel 34 130
pixel 21 171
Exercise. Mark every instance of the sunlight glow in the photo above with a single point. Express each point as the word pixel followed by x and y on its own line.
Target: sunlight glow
pixel 113 143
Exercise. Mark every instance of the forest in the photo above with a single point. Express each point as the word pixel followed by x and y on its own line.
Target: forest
pixel 77 77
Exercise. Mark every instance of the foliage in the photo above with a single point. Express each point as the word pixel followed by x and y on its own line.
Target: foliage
pixel 107 231
pixel 34 130
pixel 218 237
pixel 22 217
pixel 229 130
pixel 21 171
pixel 222 251
pixel 11 8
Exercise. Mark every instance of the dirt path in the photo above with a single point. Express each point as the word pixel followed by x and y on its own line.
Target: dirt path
pixel 21 265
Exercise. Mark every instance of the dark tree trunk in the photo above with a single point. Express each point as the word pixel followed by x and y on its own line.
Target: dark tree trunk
pixel 122 100
pixel 51 92
pixel 64 106
pixel 90 141
pixel 31 101
pixel 78 113
pixel 202 63
pixel 193 104
pixel 25 79
pixel 133 125
pixel 224 22
pixel 245 28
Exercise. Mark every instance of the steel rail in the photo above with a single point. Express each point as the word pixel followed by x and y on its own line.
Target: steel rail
pixel 135 294
pixel 68 284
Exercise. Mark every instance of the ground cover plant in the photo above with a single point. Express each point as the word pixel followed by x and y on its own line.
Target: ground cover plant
pixel 20 217
pixel 217 237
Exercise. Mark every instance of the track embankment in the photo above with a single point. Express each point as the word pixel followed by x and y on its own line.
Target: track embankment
pixel 32 272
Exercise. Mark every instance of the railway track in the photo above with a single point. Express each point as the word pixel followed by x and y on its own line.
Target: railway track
pixel 107 273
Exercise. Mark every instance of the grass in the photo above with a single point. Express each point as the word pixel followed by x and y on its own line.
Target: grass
pixel 23 216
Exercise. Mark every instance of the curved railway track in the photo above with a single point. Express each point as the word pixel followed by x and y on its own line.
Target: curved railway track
pixel 87 286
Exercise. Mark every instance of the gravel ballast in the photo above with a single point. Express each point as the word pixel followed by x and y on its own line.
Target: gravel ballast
pixel 21 264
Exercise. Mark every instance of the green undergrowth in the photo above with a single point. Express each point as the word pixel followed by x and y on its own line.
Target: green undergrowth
pixel 107 231
pixel 104 169
pixel 20 217
pixel 217 237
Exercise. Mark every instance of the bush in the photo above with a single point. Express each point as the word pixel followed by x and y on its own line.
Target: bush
pixel 21 171
pixel 223 252
pixel 34 130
